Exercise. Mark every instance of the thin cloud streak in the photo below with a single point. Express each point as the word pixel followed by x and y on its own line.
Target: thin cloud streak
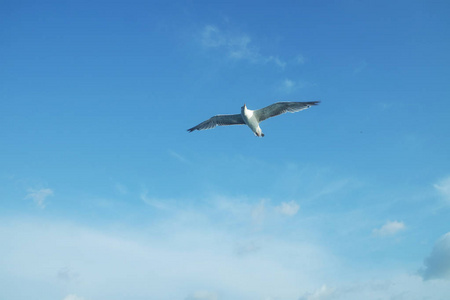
pixel 179 157
pixel 156 203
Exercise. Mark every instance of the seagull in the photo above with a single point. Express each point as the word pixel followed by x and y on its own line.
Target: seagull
pixel 252 118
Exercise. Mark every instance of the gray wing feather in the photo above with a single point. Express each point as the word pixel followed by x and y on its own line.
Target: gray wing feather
pixel 219 120
pixel 281 108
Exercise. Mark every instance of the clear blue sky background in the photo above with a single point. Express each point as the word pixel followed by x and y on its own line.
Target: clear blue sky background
pixel 104 195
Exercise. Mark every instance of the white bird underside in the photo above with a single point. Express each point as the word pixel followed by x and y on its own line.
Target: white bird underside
pixel 253 117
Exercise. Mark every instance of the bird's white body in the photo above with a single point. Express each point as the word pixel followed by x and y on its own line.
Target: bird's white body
pixel 251 121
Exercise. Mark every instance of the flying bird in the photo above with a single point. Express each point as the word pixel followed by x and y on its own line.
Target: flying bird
pixel 252 118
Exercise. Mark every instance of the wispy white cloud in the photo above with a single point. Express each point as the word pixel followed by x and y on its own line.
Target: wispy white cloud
pixel 39 196
pixel 437 264
pixel 254 214
pixel 289 85
pixel 389 228
pixel 288 208
pixel 443 187
pixel 237 46
pixel 212 37
pixel 277 61
pixel 240 46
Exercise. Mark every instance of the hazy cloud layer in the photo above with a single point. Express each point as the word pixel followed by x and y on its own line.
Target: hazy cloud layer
pixel 202 295
pixel 182 254
pixel 188 256
pixel 73 297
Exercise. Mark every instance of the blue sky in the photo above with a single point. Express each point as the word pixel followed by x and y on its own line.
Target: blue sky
pixel 104 195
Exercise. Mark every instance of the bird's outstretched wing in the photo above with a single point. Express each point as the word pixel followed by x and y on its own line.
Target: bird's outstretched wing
pixel 280 108
pixel 219 120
